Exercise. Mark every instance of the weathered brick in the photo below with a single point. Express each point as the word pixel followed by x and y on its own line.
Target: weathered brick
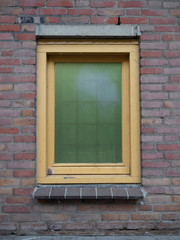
pixel 140 225
pixel 52 19
pixel 21 164
pixel 9 182
pixel 110 12
pixel 175 12
pixel 28 113
pixel 168 147
pixel 102 4
pixel 150 37
pixel 151 71
pixel 8 3
pixel 78 226
pixel 17 147
pixel 10 28
pixel 23 191
pixel 156 181
pixel 52 11
pixel 110 225
pixel 28 27
pixel 8 227
pixel 24 122
pixel 9 130
pixel 8 53
pixel 133 20
pixel 70 20
pixel 104 20
pixel 152 96
pixel 167 208
pixel 7 87
pixel 146 216
pixel 75 11
pixel 58 217
pixel 160 21
pixel 33 227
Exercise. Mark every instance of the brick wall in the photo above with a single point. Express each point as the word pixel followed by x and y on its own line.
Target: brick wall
pixel 160 110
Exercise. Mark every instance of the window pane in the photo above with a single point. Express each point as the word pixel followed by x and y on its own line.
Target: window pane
pixel 88 113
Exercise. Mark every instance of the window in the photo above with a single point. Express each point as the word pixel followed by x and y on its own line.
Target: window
pixel 88 111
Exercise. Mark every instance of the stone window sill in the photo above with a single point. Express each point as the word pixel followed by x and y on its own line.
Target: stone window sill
pixel 82 192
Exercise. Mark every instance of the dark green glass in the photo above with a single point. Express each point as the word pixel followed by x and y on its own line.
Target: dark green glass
pixel 88 113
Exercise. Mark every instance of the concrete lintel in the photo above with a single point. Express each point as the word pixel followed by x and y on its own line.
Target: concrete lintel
pixel 88 31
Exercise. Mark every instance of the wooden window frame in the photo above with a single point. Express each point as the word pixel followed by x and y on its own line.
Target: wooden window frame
pixel 94 50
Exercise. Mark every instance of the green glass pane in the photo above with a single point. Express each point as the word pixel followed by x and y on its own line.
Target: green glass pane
pixel 88 113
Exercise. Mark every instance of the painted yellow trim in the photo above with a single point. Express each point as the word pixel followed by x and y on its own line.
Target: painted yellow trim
pixel 49 52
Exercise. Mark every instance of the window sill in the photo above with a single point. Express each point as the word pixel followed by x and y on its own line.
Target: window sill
pixel 82 192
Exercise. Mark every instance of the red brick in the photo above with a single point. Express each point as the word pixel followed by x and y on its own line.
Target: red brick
pixel 75 11
pixel 154 190
pixel 154 79
pixel 156 181
pixel 102 4
pixel 172 156
pixel 151 87
pixel 9 182
pixel 25 200
pixel 167 130
pixel 145 208
pixel 24 173
pixel 10 45
pixel 152 156
pixel 110 12
pixel 52 11
pixel 69 20
pixel 176 199
pixel 133 20
pixel 133 12
pixel 21 79
pixel 24 156
pixel 7 19
pixel 153 45
pixel 158 199
pixel 153 96
pixel 150 54
pixel 173 172
pixel 147 12
pixel 8 53
pixel 175 12
pixel 9 130
pixel 29 95
pixel 154 62
pixel 148 164
pixel 151 71
pixel 150 37
pixel 148 104
pixel 15 209
pixel 31 61
pixel 153 172
pixel 147 146
pixel 104 20
pixel 147 130
pixel 24 53
pixel 160 21
pixel 23 191
pixel 169 216
pixel 55 217
pixel 32 3
pixel 9 61
pixel 10 28
pixel 169 147
pixel 5 156
pixel 153 113
pixel 167 28
pixel 52 19
pixel 124 206
pixel 131 4
pixel 30 11
pixel 6 191
pixel 5 70
pixel 24 139
pixel 171 37
pixel 60 3
pixel 25 36
pixel 3 218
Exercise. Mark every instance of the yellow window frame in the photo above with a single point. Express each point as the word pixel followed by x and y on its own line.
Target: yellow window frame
pixel 123 51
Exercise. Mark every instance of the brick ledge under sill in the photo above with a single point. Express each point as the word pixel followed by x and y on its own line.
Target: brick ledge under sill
pixel 82 192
